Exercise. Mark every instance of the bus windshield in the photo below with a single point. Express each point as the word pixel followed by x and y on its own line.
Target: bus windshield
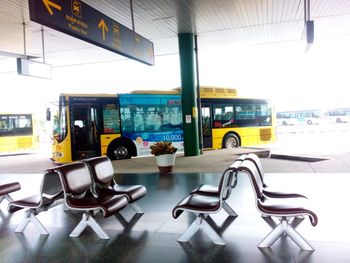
pixel 60 121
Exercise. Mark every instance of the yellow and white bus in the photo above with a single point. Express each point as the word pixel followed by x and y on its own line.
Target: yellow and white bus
pixel 338 115
pixel 18 133
pixel 125 125
pixel 300 117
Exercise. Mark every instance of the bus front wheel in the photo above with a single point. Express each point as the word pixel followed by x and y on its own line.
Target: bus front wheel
pixel 118 152
pixel 231 141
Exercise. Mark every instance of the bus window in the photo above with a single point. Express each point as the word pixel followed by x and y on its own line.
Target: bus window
pixel 111 121
pixel 15 125
pixel 171 118
pixel 223 115
pixel 246 115
pixel 125 116
pixel 174 115
pixel 153 119
pixel 150 118
pixel 263 113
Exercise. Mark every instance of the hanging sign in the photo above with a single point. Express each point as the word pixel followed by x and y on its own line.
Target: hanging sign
pixel 80 20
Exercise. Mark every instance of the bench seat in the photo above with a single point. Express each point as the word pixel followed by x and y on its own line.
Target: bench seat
pixel 51 194
pixel 203 203
pixel 102 171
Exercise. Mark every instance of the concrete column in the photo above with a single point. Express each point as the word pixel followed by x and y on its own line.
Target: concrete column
pixel 189 96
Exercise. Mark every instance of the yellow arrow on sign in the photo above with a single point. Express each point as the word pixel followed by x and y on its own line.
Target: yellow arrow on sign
pixel 48 4
pixel 102 25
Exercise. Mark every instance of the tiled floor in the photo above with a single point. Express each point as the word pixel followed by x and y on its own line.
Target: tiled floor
pixel 152 237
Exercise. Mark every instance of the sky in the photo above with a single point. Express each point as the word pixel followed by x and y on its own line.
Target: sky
pixel 282 72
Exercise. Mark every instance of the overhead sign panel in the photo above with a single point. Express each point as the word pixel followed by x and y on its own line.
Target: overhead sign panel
pixel 33 68
pixel 80 20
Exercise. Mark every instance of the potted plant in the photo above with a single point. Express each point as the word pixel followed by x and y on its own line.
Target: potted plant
pixel 164 152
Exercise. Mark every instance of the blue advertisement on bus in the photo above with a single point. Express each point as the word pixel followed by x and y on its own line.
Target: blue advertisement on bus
pixel 143 140
pixel 150 118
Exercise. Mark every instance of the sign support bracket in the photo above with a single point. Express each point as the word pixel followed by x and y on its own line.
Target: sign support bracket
pixel 24 41
pixel 43 43
pixel 132 16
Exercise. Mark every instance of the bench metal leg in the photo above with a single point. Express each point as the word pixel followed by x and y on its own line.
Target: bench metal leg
pixel 30 217
pixel 88 220
pixel 212 234
pixel 65 207
pixel 285 228
pixel 191 230
pixel 228 209
pixel 272 237
pixel 198 224
pixel 7 197
pixel 220 229
pixel 292 221
pixel 297 238
pixel 136 208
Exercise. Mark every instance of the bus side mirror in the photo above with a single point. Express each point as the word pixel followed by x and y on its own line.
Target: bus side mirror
pixel 48 114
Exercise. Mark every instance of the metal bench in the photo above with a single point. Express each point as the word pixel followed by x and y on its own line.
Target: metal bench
pixel 203 205
pixel 279 207
pixel 103 174
pixel 77 182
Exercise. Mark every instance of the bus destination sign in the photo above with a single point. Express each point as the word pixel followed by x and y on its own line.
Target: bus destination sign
pixel 80 20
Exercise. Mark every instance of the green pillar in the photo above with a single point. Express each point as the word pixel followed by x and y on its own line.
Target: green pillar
pixel 188 94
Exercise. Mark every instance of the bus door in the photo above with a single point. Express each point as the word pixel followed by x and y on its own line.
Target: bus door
pixel 84 131
pixel 206 126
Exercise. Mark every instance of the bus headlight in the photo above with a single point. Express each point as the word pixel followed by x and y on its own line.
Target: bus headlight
pixel 57 154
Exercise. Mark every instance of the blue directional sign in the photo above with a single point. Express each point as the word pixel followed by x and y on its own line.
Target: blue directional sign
pixel 80 20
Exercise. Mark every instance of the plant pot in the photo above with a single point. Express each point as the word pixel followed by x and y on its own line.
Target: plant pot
pixel 165 162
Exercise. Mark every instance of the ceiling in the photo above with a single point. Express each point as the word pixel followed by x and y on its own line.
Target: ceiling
pixel 214 21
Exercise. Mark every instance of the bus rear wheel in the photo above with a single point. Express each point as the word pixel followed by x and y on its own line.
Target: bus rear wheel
pixel 231 141
pixel 118 152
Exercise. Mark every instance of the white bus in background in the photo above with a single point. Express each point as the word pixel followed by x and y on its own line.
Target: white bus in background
pixel 338 115
pixel 299 117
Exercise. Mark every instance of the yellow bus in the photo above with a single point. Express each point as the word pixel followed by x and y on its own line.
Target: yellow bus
pixel 18 133
pixel 229 121
pixel 125 125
